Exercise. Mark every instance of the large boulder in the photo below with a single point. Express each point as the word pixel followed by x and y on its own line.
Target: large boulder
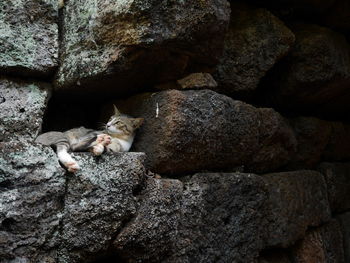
pixel 189 131
pixel 255 41
pixel 32 190
pixel 297 200
pixel 99 200
pixel 315 76
pixel 22 106
pixel 337 177
pixel 115 46
pixel 47 215
pixel 221 214
pixel 29 37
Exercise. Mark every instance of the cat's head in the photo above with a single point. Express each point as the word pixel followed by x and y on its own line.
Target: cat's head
pixel 122 125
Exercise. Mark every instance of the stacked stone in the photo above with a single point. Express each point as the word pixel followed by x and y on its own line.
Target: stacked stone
pixel 234 98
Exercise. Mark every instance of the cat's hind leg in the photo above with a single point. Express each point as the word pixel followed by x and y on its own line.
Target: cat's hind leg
pixel 65 158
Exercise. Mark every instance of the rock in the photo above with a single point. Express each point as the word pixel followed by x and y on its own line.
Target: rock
pixel 321 245
pixel 100 199
pixel 153 234
pixel 337 177
pixel 344 221
pixel 193 81
pixel 22 105
pixel 32 189
pixel 315 76
pixel 114 46
pixel 313 136
pixel 297 200
pixel 338 147
pixel 29 37
pixel 217 213
pixel 277 143
pixel 256 40
pixel 204 130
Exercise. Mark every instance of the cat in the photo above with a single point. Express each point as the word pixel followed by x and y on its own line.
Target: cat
pixel 117 136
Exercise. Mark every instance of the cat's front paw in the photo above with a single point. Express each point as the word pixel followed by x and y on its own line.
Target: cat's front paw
pixel 104 139
pixel 98 149
pixel 72 167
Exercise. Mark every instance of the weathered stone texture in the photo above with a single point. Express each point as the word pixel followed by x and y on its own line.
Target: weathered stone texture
pixel 204 130
pixel 22 107
pixel 315 76
pixel 29 37
pixel 118 45
pixel 321 245
pixel 99 200
pixel 337 177
pixel 256 40
pixel 344 221
pixel 297 200
pixel 32 187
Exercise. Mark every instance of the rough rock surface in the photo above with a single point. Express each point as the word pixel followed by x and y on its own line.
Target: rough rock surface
pixel 204 130
pixel 49 216
pixel 297 200
pixel 321 245
pixel 22 107
pixel 29 37
pixel 123 44
pixel 218 213
pixel 337 177
pixel 99 200
pixel 32 187
pixel 315 76
pixel 256 40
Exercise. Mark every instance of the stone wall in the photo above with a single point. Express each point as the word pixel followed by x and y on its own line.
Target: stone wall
pixel 244 155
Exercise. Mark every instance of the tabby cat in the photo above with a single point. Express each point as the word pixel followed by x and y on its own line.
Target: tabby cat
pixel 117 136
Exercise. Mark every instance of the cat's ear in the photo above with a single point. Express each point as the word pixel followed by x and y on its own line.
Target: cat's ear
pixel 137 122
pixel 116 111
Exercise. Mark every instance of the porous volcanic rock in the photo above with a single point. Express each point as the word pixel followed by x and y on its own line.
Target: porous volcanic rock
pixel 29 37
pixel 315 76
pixel 189 131
pixel 337 177
pixel 219 213
pixel 115 46
pixel 32 187
pixel 99 200
pixel 297 200
pixel 255 41
pixel 321 245
pixel 22 105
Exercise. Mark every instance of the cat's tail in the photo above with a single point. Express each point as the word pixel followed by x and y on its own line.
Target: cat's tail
pixel 61 143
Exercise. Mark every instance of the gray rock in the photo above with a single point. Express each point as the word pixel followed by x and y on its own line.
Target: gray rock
pixel 100 199
pixel 315 76
pixel 22 109
pixel 337 177
pixel 32 189
pixel 256 40
pixel 297 200
pixel 29 37
pixel 116 46
pixel 204 130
